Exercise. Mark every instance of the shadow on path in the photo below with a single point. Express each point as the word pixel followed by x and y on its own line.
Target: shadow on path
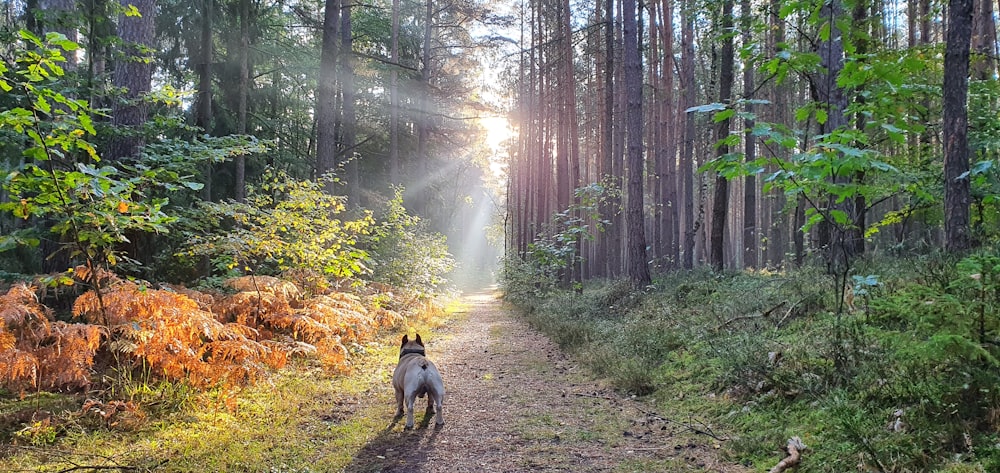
pixel 395 451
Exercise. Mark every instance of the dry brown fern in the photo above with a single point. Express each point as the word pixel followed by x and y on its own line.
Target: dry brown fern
pixel 204 299
pixel 66 357
pixel 169 333
pixel 23 323
pixel 269 284
pixel 251 308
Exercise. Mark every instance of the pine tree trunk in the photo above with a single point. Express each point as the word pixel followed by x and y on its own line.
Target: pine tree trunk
pixel 720 203
pixel 395 177
pixel 750 240
pixel 326 94
pixel 203 115
pixel 348 158
pixel 955 126
pixel 133 74
pixel 687 152
pixel 637 266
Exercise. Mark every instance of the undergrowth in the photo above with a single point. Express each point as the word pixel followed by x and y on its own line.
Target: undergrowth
pixel 134 351
pixel 906 381
pixel 302 417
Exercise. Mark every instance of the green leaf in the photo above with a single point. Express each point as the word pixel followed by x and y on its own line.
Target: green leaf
pixel 840 217
pixel 802 113
pixel 43 105
pixel 821 116
pixel 723 115
pixel 711 107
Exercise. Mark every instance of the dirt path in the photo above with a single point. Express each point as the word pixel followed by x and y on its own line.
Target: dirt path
pixel 516 403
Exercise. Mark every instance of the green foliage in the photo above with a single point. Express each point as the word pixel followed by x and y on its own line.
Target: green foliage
pixel 405 254
pixel 908 385
pixel 284 224
pixel 555 248
pixel 90 206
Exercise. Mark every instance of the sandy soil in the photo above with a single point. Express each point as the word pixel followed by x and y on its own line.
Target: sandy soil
pixel 516 403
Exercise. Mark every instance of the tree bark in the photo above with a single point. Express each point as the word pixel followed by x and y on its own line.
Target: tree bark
pixel 637 266
pixel 395 177
pixel 955 126
pixel 203 109
pixel 133 74
pixel 720 203
pixel 687 151
pixel 750 240
pixel 838 239
pixel 348 157
pixel 239 179
pixel 326 94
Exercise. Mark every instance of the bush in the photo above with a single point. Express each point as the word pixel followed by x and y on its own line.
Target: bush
pixel 405 255
pixel 285 224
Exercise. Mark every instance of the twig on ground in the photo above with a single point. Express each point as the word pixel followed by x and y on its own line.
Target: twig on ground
pixel 794 449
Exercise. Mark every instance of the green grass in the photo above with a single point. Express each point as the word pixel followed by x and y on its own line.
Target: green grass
pixel 764 357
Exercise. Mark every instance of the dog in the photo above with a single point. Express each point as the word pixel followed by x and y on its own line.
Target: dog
pixel 414 377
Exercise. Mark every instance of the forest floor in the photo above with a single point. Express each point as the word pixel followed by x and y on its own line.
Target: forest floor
pixel 515 402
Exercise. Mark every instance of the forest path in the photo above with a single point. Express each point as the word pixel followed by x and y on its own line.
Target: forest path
pixel 516 403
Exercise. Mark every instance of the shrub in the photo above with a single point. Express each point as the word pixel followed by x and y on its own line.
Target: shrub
pixel 285 224
pixel 406 255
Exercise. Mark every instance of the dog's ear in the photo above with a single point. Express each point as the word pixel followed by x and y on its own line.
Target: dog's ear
pixel 405 339
pixel 419 342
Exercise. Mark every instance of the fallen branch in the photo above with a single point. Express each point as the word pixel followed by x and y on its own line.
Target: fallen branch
pixel 794 449
pixel 766 313
pixel 787 314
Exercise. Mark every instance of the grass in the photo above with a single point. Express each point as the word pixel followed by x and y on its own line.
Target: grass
pixel 300 419
pixel 766 356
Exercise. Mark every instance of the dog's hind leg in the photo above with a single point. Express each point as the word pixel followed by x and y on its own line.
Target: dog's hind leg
pixel 399 403
pixel 409 410
pixel 438 400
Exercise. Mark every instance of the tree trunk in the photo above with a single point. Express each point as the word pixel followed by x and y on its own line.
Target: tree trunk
pixel 424 119
pixel 133 74
pixel 984 41
pixel 239 179
pixel 687 152
pixel 668 139
pixel 750 240
pixel 394 164
pixel 326 94
pixel 605 166
pixel 348 158
pixel 839 239
pixel 637 267
pixel 203 109
pixel 955 126
pixel 59 16
pixel 720 203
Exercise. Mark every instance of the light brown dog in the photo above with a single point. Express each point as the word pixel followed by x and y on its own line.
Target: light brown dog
pixel 414 377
